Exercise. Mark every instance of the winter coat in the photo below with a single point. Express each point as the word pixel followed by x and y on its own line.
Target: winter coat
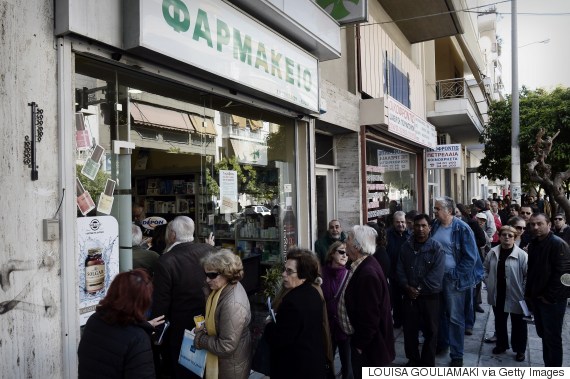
pixel 423 269
pixel 469 269
pixel 296 339
pixel 516 266
pixel 333 278
pixel 232 343
pixel 367 302
pixel 115 351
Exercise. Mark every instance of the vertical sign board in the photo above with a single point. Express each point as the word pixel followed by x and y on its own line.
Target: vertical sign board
pixel 218 38
pixel 444 156
pixel 228 191
pixel 375 191
pixel 97 260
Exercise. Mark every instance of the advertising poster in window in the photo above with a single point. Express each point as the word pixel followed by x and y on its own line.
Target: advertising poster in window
pixel 98 260
pixel 393 161
pixel 228 191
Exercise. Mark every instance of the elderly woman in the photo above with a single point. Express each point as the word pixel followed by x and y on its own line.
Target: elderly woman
pixel 296 339
pixel 226 334
pixel 334 275
pixel 364 308
pixel 505 275
pixel 116 339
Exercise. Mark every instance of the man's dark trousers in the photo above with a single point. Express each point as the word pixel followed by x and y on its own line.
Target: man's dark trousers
pixel 548 321
pixel 422 312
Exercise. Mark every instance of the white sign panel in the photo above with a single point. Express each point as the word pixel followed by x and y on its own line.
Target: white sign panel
pixel 98 260
pixel 403 122
pixel 393 161
pixel 218 38
pixel 346 12
pixel 444 156
pixel 228 191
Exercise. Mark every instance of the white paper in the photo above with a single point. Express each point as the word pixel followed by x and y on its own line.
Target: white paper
pixel 271 312
pixel 525 309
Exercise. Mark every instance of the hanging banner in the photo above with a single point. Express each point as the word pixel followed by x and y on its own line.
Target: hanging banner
pixel 228 191
pixel 444 156
pixel 97 260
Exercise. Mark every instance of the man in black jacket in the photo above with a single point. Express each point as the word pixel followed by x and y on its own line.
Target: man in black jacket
pixel 548 269
pixel 420 274
pixel 178 282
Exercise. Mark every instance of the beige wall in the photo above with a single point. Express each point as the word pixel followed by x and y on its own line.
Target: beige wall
pixel 31 335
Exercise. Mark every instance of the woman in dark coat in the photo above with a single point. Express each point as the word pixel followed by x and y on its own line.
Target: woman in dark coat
pixel 116 339
pixel 334 275
pixel 296 339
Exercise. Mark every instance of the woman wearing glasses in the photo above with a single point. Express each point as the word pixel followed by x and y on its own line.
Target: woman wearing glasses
pixel 226 334
pixel 116 339
pixel 505 274
pixel 296 339
pixel 334 275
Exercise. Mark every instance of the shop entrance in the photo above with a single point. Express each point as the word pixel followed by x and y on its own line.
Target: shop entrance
pixel 326 199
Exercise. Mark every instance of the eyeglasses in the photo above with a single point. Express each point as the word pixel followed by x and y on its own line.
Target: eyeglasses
pixel 508 235
pixel 289 272
pixel 211 275
pixel 519 227
pixel 526 213
pixel 341 252
pixel 558 219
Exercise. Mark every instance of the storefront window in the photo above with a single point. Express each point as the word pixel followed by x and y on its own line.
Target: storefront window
pixel 391 180
pixel 228 166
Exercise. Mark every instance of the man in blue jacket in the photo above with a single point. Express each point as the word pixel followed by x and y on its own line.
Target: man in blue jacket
pixel 463 270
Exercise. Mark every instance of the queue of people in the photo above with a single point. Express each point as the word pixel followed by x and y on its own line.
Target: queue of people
pixel 422 278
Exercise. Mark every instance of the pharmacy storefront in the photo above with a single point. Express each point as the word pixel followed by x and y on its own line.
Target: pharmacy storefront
pixel 176 108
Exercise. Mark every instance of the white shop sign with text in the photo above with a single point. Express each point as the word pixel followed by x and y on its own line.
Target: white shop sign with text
pixel 218 38
pixel 444 156
pixel 405 123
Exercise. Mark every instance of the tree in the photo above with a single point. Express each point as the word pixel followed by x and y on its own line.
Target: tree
pixel 539 110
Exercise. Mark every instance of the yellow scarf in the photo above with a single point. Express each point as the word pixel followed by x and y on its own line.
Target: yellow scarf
pixel 212 359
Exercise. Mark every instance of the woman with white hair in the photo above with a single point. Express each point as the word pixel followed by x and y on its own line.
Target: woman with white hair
pixel 364 308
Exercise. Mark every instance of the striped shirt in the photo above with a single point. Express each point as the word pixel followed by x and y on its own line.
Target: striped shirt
pixel 345 324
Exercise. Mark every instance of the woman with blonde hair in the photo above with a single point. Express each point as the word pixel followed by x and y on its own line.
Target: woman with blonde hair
pixel 226 334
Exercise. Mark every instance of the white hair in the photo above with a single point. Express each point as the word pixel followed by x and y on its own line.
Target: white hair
pixel 137 235
pixel 183 227
pixel 364 238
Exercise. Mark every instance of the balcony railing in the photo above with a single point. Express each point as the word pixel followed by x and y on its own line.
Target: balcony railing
pixel 457 89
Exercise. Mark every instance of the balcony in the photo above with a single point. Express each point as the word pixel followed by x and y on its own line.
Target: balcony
pixel 423 20
pixel 456 110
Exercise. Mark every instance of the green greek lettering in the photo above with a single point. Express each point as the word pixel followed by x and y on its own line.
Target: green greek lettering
pixel 242 51
pixel 176 14
pixel 223 34
pixel 307 80
pixel 202 28
pixel 261 57
pixel 289 64
pixel 276 64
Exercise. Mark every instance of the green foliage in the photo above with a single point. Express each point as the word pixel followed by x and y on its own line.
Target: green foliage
pixel 272 280
pixel 538 109
pixel 248 182
pixel 95 187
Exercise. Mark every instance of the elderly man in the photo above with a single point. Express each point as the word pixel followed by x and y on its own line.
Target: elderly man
pixel 396 235
pixel 334 233
pixel 178 282
pixel 548 269
pixel 364 306
pixel 463 269
pixel 420 274
pixel 142 258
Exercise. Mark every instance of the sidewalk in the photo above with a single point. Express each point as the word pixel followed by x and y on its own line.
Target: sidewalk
pixel 477 353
